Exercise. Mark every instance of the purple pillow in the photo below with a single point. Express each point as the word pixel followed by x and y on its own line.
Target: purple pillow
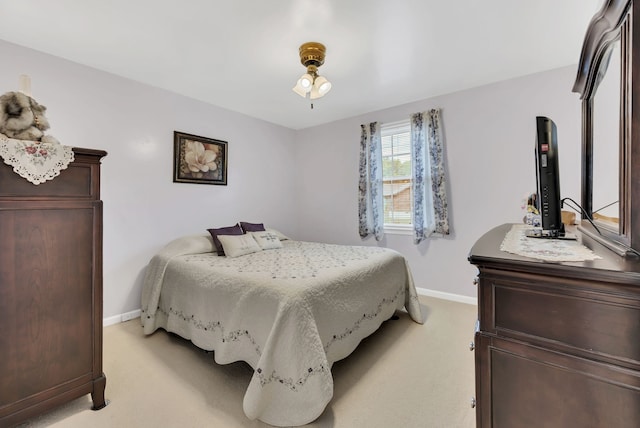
pixel 252 227
pixel 230 230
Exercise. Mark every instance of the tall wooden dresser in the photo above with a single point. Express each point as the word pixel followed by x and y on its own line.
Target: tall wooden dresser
pixel 50 289
pixel 558 343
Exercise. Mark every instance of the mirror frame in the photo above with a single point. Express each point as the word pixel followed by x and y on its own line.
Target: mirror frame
pixel 613 22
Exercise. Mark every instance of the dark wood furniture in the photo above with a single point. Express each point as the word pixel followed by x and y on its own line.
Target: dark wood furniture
pixel 614 26
pixel 558 344
pixel 50 289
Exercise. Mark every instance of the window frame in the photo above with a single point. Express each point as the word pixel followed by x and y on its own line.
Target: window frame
pixel 386 130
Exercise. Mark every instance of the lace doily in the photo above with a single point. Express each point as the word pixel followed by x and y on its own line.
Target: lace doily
pixel 34 160
pixel 556 250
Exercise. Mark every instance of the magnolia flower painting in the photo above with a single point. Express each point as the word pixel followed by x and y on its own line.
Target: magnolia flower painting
pixel 199 159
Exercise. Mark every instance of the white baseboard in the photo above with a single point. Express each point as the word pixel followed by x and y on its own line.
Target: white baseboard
pixel 116 319
pixel 447 296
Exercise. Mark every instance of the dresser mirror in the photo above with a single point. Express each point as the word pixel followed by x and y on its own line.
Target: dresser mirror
pixel 604 82
pixel 606 144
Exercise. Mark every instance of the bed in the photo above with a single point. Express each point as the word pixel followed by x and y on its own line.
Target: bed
pixel 290 313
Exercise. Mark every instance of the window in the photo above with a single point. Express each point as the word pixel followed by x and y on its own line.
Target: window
pixel 396 175
pixel 402 184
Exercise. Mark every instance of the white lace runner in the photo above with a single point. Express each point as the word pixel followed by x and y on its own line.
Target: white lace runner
pixel 34 160
pixel 556 250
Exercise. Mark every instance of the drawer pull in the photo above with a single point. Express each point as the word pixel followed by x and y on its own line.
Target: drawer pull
pixel 472 346
pixel 475 281
pixel 473 402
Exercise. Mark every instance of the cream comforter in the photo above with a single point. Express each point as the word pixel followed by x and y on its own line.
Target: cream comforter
pixel 290 313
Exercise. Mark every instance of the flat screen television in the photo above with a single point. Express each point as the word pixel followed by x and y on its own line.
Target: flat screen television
pixel 548 181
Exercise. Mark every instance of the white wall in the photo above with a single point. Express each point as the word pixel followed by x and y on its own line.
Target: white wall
pixel 303 183
pixel 134 123
pixel 489 150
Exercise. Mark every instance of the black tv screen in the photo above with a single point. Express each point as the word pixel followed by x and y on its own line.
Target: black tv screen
pixel 548 177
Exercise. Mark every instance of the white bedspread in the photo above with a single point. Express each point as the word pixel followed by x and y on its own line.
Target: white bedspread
pixel 290 313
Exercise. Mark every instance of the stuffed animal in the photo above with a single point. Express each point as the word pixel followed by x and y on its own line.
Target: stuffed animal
pixel 22 118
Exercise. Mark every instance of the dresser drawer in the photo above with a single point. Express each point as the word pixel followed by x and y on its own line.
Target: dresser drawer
pixel 81 179
pixel 575 316
pixel 527 386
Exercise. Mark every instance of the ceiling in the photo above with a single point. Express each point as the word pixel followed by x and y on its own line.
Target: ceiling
pixel 243 54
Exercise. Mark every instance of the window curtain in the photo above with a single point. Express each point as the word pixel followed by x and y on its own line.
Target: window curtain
pixel 430 213
pixel 370 198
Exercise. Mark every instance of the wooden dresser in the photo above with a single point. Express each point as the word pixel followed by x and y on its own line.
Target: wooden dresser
pixel 50 289
pixel 558 344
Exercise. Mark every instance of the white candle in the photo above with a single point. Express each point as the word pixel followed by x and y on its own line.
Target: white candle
pixel 25 84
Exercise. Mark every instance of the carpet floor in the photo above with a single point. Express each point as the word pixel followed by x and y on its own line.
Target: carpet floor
pixel 404 375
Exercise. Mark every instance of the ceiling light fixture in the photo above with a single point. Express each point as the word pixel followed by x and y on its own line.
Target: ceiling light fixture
pixel 311 83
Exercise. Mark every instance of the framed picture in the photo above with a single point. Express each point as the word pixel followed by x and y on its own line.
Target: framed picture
pixel 199 160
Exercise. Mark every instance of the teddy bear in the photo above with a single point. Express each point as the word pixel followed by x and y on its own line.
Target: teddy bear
pixel 22 118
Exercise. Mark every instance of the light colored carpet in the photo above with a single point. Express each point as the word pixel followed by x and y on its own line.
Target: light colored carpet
pixel 404 375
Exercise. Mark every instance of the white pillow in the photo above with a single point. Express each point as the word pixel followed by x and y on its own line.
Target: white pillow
pixel 280 235
pixel 192 244
pixel 238 245
pixel 266 239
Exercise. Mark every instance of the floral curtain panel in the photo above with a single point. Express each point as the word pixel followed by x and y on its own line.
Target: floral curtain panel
pixel 430 213
pixel 370 199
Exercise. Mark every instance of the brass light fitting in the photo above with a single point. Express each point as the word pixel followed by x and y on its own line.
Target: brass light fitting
pixel 312 56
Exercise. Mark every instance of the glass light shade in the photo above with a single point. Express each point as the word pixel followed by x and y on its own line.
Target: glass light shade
pixel 306 81
pixel 303 85
pixel 322 85
pixel 314 93
pixel 298 90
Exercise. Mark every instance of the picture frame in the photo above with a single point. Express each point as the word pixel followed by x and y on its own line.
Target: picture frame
pixel 199 160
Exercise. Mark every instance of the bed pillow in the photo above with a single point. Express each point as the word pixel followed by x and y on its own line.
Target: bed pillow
pixel 279 234
pixel 229 230
pixel 251 227
pixel 266 240
pixel 238 245
pixel 191 244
